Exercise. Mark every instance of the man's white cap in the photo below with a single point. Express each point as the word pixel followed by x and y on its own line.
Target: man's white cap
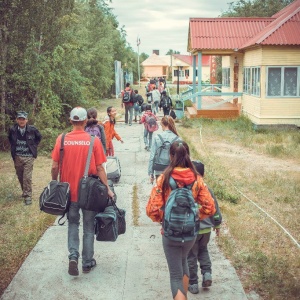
pixel 78 114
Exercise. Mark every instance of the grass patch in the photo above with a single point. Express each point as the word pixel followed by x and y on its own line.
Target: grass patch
pixel 266 259
pixel 135 206
pixel 21 227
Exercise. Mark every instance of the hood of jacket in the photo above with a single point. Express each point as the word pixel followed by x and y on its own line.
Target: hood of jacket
pixel 183 176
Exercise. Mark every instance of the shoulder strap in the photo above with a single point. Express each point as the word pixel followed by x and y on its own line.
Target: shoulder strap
pixel 162 140
pixel 88 160
pixel 173 183
pixel 175 138
pixel 61 153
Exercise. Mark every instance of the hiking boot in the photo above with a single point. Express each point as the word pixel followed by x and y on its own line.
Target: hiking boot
pixel 207 280
pixel 130 124
pixel 27 201
pixel 73 267
pixel 193 288
pixel 88 269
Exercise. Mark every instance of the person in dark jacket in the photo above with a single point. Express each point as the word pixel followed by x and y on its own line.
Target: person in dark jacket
pixel 138 101
pixel 199 251
pixel 24 140
pixel 165 103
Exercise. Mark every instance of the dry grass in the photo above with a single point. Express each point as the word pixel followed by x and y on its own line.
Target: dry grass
pixel 135 206
pixel 20 226
pixel 266 259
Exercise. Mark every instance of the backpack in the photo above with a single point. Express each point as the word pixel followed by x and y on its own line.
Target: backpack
pixel 172 114
pixel 94 130
pixel 165 102
pixel 127 96
pixel 151 123
pixel 161 157
pixel 181 214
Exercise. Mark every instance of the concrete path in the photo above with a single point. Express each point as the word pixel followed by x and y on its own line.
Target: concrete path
pixel 133 267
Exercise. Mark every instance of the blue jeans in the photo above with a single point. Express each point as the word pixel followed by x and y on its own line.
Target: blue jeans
pixel 148 134
pixel 128 109
pixel 155 107
pixel 88 234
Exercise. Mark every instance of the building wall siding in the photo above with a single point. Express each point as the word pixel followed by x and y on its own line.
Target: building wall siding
pixel 253 58
pixel 280 56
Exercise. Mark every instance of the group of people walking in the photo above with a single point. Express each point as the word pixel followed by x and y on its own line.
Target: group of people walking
pixel 181 172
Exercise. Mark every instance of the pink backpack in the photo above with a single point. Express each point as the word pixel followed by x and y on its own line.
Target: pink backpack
pixel 151 123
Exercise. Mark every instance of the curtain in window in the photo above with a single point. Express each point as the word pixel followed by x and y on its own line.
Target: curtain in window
pixel 290 82
pixel 274 81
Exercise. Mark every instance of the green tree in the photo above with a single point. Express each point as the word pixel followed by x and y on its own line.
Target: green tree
pixel 255 8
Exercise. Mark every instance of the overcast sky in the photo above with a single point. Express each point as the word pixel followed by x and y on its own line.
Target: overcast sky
pixel 163 24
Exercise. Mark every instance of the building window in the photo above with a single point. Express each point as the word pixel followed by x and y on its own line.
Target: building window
pixel 181 73
pixel 251 84
pixel 283 81
pixel 247 80
pixel 226 76
pixel 187 73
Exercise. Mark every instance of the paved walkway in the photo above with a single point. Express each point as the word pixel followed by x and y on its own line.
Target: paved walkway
pixel 133 267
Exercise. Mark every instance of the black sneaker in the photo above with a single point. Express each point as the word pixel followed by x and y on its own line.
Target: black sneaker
pixel 88 269
pixel 73 267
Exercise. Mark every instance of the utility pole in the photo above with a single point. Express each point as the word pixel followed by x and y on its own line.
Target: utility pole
pixel 138 41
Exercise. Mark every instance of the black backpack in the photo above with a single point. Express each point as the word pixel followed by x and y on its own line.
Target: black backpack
pixel 127 96
pixel 166 102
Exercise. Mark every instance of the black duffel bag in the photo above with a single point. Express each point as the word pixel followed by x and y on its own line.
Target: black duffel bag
pixel 92 193
pixel 55 198
pixel 106 225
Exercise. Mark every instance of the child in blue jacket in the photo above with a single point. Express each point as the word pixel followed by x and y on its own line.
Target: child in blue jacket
pixel 199 251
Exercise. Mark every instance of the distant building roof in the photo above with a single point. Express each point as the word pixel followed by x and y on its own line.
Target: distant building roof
pixel 283 28
pixel 155 60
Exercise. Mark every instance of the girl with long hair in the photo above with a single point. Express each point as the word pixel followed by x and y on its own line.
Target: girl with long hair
pixel 182 170
pixel 169 134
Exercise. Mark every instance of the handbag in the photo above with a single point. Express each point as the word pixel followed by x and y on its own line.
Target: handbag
pixel 55 198
pixel 92 193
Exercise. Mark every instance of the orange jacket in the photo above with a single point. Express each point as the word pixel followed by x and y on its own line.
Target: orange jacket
pixel 183 176
pixel 110 132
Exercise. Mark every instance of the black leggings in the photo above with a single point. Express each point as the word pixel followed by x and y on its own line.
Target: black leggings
pixel 176 255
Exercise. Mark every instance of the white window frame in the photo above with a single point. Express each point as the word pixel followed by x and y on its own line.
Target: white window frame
pixel 251 81
pixel 226 77
pixel 282 81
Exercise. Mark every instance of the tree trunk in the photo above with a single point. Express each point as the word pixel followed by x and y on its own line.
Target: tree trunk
pixel 3 63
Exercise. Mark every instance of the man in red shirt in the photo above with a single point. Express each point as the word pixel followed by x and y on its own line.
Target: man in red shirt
pixel 76 146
